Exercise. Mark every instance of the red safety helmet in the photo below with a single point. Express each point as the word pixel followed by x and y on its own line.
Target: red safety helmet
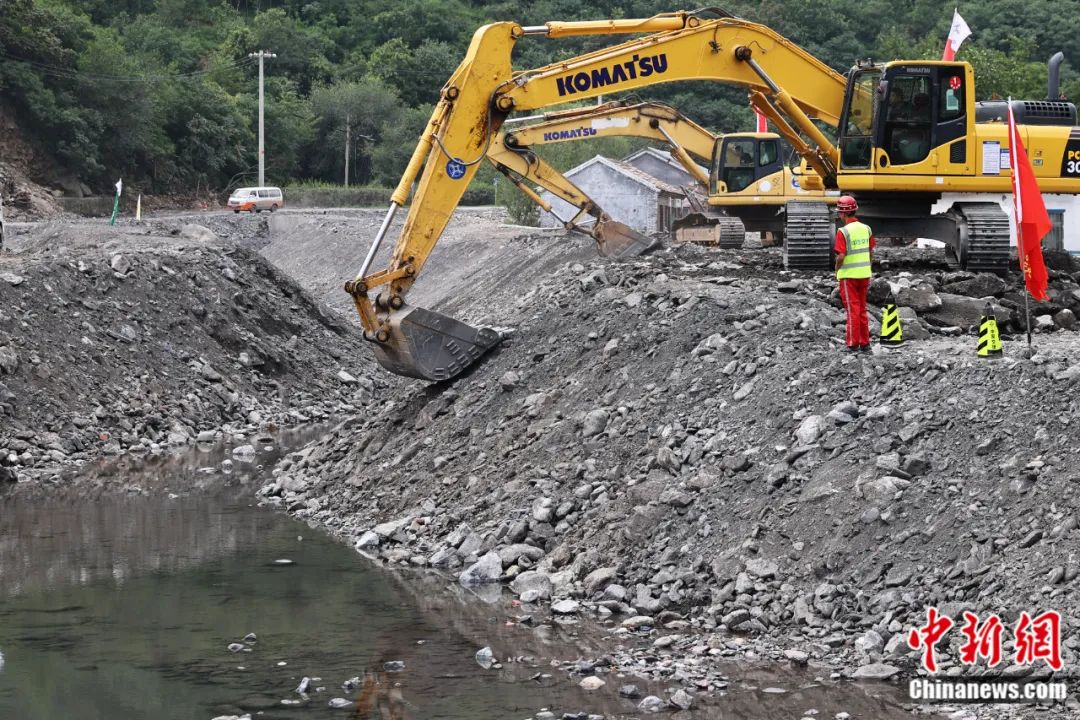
pixel 846 204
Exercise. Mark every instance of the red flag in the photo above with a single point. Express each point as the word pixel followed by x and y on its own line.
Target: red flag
pixel 1032 221
pixel 958 33
pixel 762 123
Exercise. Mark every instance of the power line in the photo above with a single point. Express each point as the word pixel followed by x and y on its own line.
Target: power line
pixel 71 74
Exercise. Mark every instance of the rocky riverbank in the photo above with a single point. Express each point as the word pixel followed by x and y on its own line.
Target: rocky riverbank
pixel 676 447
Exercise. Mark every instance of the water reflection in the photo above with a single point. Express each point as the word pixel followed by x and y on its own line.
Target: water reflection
pixel 131 516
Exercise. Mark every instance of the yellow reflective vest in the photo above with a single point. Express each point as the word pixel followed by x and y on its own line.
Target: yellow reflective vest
pixel 856 263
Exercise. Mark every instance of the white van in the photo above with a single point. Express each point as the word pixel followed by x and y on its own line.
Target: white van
pixel 256 199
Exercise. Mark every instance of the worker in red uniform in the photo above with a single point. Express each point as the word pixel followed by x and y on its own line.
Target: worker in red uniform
pixel 854 252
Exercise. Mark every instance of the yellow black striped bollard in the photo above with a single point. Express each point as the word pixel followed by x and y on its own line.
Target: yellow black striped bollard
pixel 891 333
pixel 989 338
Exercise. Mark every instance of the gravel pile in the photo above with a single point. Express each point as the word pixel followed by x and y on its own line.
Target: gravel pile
pixel 677 447
pixel 139 338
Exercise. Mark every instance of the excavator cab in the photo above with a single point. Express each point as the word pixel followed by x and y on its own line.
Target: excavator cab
pixel 742 159
pixel 895 115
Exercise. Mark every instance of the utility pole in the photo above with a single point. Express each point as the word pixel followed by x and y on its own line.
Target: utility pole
pixel 262 148
pixel 347 132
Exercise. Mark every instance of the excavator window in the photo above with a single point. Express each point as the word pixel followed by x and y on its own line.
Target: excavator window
pixel 909 118
pixel 951 95
pixel 857 124
pixel 737 170
pixel 767 153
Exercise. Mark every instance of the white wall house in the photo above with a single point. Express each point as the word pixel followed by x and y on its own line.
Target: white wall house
pixel 662 166
pixel 627 194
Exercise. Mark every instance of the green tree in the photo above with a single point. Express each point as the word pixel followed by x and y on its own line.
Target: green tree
pixel 301 52
pixel 399 138
pixel 372 111
pixel 417 74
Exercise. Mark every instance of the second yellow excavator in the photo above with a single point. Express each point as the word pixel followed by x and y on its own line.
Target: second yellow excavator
pixel 747 186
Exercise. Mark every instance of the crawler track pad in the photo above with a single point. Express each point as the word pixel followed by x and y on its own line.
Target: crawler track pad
pixel 431 346
pixel 618 240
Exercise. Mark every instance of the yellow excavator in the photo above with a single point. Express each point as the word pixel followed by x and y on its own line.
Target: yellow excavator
pixel 909 134
pixel 751 166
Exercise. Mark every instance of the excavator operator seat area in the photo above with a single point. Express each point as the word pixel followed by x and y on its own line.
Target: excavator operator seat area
pixel 908 119
pixel 738 164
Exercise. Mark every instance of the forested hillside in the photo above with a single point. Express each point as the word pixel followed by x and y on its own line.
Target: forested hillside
pixel 163 92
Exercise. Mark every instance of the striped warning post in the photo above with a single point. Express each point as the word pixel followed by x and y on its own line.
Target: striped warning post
pixel 891 333
pixel 989 338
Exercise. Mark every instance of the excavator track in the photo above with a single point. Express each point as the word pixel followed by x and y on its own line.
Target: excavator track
pixel 983 237
pixel 721 231
pixel 732 232
pixel 808 236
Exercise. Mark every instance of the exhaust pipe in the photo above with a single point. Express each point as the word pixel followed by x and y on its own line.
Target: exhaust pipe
pixel 1053 76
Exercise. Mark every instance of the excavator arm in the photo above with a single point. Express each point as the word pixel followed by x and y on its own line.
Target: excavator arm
pixel 483 91
pixel 522 167
pixel 654 121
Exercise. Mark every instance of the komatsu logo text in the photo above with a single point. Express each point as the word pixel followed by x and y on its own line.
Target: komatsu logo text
pixel 580 132
pixel 637 66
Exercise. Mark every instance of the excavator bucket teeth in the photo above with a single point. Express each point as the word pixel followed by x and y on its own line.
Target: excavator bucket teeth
pixel 618 240
pixel 430 346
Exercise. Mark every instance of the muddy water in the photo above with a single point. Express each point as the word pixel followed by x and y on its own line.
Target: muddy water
pixel 120 595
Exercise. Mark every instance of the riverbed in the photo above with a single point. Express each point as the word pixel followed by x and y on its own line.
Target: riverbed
pixel 158 588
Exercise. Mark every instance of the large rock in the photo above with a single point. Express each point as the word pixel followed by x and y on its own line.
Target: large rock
pixel 599 579
pixel 510 554
pixel 981 286
pixel 962 311
pixel 810 429
pixel 920 298
pixel 535 585
pixel 881 490
pixel 880 291
pixel 652 704
pixel 595 422
pixel 682 700
pixel 120 264
pixel 197 233
pixel 762 568
pixel 9 361
pixel 876 671
pixel 567 606
pixel 715 343
pixel 387 529
pixel 910 325
pixel 1065 319
pixel 487 569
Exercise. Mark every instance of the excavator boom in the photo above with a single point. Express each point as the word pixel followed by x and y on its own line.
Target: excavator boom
pixel 651 120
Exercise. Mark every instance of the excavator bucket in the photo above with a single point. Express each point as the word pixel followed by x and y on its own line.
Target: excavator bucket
pixel 430 346
pixel 618 240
